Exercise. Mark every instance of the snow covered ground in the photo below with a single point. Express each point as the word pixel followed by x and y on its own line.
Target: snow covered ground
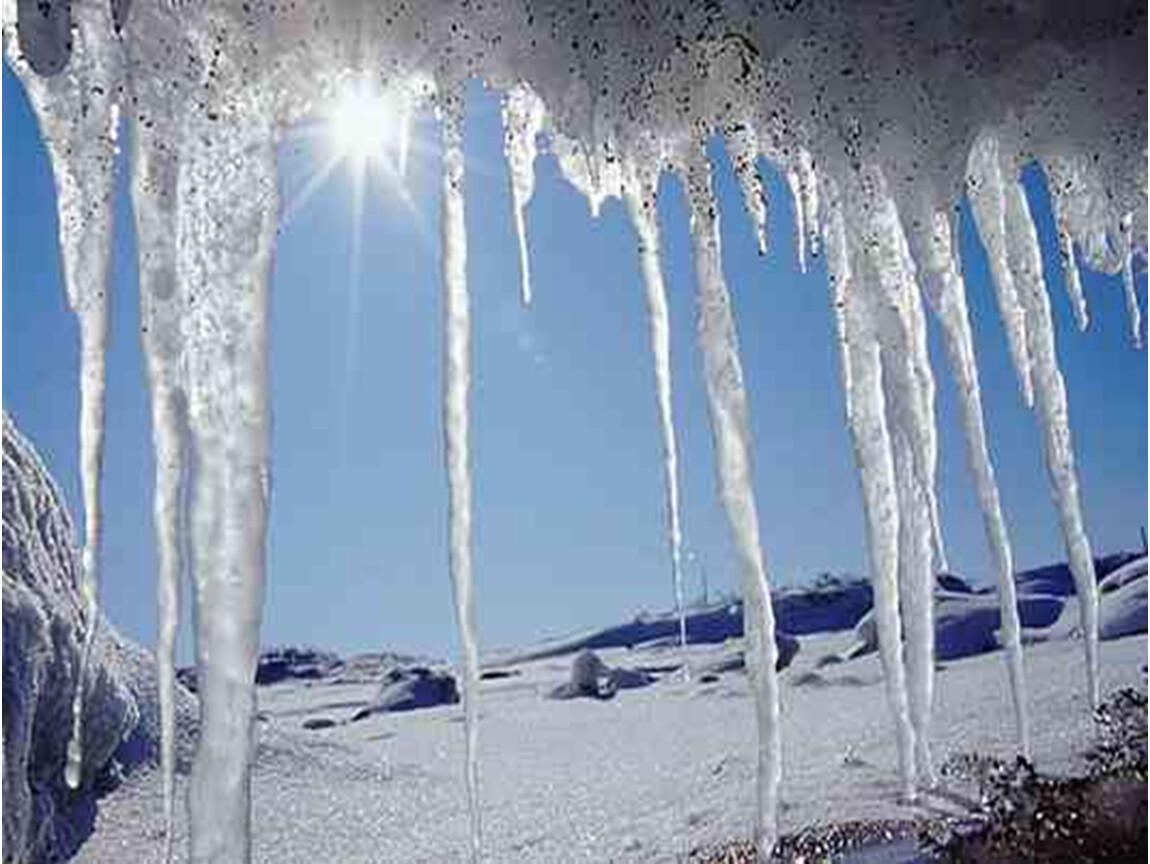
pixel 646 776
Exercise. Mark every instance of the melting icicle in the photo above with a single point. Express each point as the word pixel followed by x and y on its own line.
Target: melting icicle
pixel 946 292
pixel 1025 264
pixel 988 203
pixel 640 194
pixel 866 418
pixel 727 401
pixel 456 383
pixel 154 202
pixel 743 145
pixel 226 227
pixel 523 117
pixel 1132 310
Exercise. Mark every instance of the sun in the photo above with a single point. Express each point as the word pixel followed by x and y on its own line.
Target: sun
pixel 363 124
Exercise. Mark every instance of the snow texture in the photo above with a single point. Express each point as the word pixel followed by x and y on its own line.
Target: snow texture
pixel 879 113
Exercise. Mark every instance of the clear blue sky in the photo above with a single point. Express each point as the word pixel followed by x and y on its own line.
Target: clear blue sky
pixel 567 472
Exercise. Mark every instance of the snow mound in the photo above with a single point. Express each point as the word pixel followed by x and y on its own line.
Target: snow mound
pixel 967 624
pixel 409 689
pixel 592 678
pixel 1125 574
pixel 1057 580
pixel 1123 610
pixel 43 632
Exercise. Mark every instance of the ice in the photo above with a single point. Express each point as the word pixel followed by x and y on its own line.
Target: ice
pixel 640 195
pixel 523 117
pixel 986 189
pixel 727 403
pixel 862 377
pixel 946 292
pixel 79 121
pixel 456 384
pixel 225 237
pixel 876 113
pixel 1053 415
pixel 743 146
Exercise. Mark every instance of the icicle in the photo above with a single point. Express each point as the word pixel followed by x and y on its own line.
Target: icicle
pixel 727 401
pixel 1025 263
pixel 640 194
pixel 154 202
pixel 226 228
pixel 803 184
pixel 988 203
pixel 809 194
pixel 800 220
pixel 1132 310
pixel 946 292
pixel 866 417
pixel 743 146
pixel 523 116
pixel 78 118
pixel 456 383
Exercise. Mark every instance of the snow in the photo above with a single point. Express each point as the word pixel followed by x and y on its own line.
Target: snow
pixel 645 776
pixel 879 114
pixel 45 636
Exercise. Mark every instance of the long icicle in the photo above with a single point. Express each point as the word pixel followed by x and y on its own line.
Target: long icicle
pixel 154 170
pixel 78 114
pixel 226 220
pixel 522 122
pixel 866 418
pixel 727 402
pixel 640 194
pixel 456 383
pixel 1025 260
pixel 908 387
pixel 946 293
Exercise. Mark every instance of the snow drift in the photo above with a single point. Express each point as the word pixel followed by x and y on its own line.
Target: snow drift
pixel 880 114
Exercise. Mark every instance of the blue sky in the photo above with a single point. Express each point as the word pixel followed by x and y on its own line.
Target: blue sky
pixel 566 453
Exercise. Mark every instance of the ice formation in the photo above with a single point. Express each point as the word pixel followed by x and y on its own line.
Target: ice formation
pixel 879 113
pixel 640 193
pixel 456 384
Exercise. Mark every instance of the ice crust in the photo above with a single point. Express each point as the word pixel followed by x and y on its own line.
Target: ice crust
pixel 879 114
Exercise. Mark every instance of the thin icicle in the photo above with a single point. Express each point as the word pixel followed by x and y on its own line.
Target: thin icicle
pixel 946 292
pixel 727 402
pixel 154 202
pixel 795 185
pixel 226 229
pixel 743 146
pixel 986 188
pixel 1025 263
pixel 809 193
pixel 456 384
pixel 1132 310
pixel 523 116
pixel 866 418
pixel 640 195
